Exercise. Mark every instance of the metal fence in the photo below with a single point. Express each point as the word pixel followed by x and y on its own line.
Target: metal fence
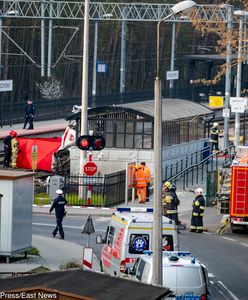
pixel 12 112
pixel 188 160
pixel 199 173
pixel 104 191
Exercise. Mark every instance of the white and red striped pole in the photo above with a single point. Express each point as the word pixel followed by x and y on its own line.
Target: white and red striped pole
pixel 89 184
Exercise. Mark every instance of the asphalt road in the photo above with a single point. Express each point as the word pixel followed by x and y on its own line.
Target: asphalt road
pixel 44 225
pixel 224 255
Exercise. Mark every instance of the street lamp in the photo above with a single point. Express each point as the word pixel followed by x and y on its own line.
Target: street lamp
pixel 241 14
pixel 84 108
pixel 157 218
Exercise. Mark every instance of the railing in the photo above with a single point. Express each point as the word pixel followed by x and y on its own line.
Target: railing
pixel 196 173
pixel 12 112
pixel 185 162
pixel 104 191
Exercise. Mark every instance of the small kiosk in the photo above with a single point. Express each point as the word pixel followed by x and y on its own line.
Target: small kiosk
pixel 16 202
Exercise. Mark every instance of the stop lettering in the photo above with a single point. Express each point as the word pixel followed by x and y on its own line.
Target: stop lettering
pixel 90 168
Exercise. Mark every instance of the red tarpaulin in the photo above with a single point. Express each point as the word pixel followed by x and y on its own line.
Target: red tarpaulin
pixel 45 149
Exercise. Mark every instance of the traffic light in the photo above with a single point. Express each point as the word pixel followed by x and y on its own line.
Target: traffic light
pixel 91 142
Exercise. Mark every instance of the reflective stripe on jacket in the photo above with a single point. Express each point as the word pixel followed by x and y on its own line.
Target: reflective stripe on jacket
pixel 169 201
pixel 198 206
pixel 214 135
pixel 140 177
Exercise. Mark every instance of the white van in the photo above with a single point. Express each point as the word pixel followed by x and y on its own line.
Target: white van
pixel 184 275
pixel 128 235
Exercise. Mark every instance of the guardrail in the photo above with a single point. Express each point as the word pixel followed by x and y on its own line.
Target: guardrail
pixel 185 162
pixel 196 173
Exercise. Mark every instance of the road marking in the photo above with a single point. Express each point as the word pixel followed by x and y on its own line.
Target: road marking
pixel 103 219
pixel 230 293
pixel 65 226
pixel 211 275
pixel 229 239
pixel 244 244
pixel 209 233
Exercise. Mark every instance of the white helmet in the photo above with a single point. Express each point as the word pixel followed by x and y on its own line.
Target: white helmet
pixel 59 192
pixel 199 191
pixel 216 124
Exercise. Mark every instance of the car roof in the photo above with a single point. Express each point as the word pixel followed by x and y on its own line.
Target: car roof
pixel 184 260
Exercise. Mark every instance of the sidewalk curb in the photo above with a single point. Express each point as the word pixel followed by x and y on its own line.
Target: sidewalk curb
pixel 79 207
pixel 78 210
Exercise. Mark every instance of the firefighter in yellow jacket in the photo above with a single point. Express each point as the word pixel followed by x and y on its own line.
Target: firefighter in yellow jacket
pixel 197 212
pixel 170 202
pixel 14 149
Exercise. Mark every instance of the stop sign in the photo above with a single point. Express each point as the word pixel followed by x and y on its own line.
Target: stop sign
pixel 90 168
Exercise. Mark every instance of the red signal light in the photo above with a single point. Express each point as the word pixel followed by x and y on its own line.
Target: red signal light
pixel 99 143
pixel 85 143
pixel 91 142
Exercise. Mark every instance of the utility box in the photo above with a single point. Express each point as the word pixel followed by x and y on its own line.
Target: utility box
pixel 56 182
pixel 16 204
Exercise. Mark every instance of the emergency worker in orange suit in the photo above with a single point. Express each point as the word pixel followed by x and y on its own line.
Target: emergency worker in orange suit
pixel 140 183
pixel 148 179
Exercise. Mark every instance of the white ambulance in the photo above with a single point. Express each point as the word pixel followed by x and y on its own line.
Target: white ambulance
pixel 183 274
pixel 129 234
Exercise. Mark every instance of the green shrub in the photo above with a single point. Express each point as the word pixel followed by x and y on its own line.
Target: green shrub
pixel 70 265
pixel 33 251
pixel 41 199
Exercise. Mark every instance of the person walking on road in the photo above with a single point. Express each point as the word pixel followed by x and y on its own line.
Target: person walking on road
pixel 169 199
pixel 148 179
pixel 59 205
pixel 7 148
pixel 29 115
pixel 197 212
pixel 214 137
pixel 140 183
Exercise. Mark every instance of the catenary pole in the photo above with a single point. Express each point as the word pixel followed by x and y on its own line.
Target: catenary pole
pixel 228 73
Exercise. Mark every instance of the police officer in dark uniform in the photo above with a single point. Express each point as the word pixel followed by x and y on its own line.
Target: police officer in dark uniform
pixel 29 114
pixel 197 212
pixel 169 199
pixel 59 205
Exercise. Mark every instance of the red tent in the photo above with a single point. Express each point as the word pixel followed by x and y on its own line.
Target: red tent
pixel 45 148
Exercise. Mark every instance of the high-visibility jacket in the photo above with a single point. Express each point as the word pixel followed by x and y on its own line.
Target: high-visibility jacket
pixel 14 146
pixel 14 150
pixel 198 206
pixel 140 177
pixel 214 134
pixel 147 174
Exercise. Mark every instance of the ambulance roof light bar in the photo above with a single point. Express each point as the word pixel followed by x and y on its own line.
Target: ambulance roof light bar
pixel 135 209
pixel 170 253
pixel 177 253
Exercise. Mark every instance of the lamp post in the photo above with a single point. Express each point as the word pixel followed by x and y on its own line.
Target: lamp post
pixel 242 14
pixel 84 109
pixel 157 217
pixel 228 73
